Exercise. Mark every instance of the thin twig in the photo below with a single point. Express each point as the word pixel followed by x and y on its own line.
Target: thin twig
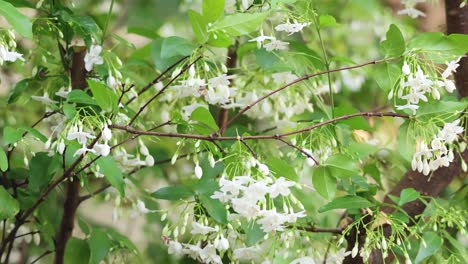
pixel 41 256
pixel 249 148
pixel 299 149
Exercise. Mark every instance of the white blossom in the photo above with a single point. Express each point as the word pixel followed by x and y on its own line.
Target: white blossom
pixel 101 149
pixel 44 99
pixel 79 135
pixel 291 28
pixel 92 57
pixel 198 228
pixel 11 56
pixel 198 171
pixel 175 248
pixel 280 187
pixel 276 45
pixel 260 39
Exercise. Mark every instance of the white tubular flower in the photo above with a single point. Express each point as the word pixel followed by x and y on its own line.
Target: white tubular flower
pixel 45 99
pixel 221 196
pixel 142 207
pixel 280 187
pixel 61 147
pixel 291 28
pixel 63 93
pixel 263 169
pixel 106 133
pixel 175 248
pixel 411 12
pixel 408 106
pixel 276 45
pixel 406 69
pixel 450 131
pixel 101 149
pixel 271 221
pixel 221 243
pixel 149 161
pixel 198 171
pixel 92 57
pixel 451 68
pixel 245 207
pixel 198 228
pixel 83 150
pixel 260 39
pixel 79 135
pixel 10 56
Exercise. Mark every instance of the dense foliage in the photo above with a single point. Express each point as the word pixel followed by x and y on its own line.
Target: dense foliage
pixel 265 131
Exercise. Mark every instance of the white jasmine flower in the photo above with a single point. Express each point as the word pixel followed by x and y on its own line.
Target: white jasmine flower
pixel 451 68
pixel 414 96
pixel 271 221
pixel 149 161
pixel 260 39
pixel 276 45
pixel 10 56
pixel 175 248
pixel 92 57
pixel 112 81
pixel 106 133
pixel 411 12
pixel 101 149
pixel 408 106
pixel 142 207
pixel 208 255
pixel 221 243
pixel 280 187
pixel 82 151
pixel 448 84
pixel 263 169
pixel 450 131
pixel 291 28
pixel 245 207
pixel 256 192
pixel 79 135
pixel 61 147
pixel 198 171
pixel 221 196
pixel 198 228
pixel 44 99
pixel 406 69
pixel 63 93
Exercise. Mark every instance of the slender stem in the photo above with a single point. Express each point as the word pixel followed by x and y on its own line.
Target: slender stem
pixel 42 255
pixel 256 137
pixel 107 21
pixel 299 149
pixel 321 229
pixel 303 78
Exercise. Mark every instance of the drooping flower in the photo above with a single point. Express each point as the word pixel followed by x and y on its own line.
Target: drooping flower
pixel 276 44
pixel 101 149
pixel 260 39
pixel 175 248
pixel 280 187
pixel 291 28
pixel 450 131
pixel 44 99
pixel 11 56
pixel 79 135
pixel 92 57
pixel 198 228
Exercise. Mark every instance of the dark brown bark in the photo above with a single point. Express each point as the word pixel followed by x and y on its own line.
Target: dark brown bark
pixel 72 199
pixel 231 62
pixel 457 22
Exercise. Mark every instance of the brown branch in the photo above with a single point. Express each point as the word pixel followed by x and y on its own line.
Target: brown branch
pixel 255 137
pixel 162 90
pixel 298 149
pixel 249 148
pixel 303 78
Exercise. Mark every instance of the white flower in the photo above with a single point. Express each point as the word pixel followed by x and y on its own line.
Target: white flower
pixel 291 28
pixel 276 45
pixel 411 12
pixel 406 69
pixel 44 99
pixel 149 161
pixel 142 207
pixel 450 131
pixel 63 93
pixel 283 77
pixel 79 135
pixel 245 207
pixel 221 196
pixel 221 243
pixel 61 147
pixel 231 186
pixel 82 151
pixel 263 169
pixel 106 133
pixel 271 221
pixel 193 250
pixel 93 56
pixel 256 192
pixel 246 253
pixel 198 171
pixel 198 228
pixel 11 56
pixel 101 149
pixel 414 96
pixel 280 187
pixel 112 82
pixel 408 106
pixel 303 260
pixel 451 67
pixel 448 84
pixel 175 248
pixel 208 255
pixel 260 39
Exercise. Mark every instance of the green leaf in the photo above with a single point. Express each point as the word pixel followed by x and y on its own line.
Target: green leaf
pixel 327 21
pixel 76 251
pixel 11 135
pixel 281 168
pixel 240 23
pixel 433 243
pixel 35 133
pixel 357 122
pixel 438 47
pixel 361 150
pixel 18 90
pixel 212 9
pixel 179 192
pixel 324 183
pixel 198 26
pixel 3 160
pixel 122 240
pixel 441 107
pixel 346 202
pixel 394 45
pixel 408 195
pixel 10 206
pixel 69 110
pixel 161 63
pixel 83 26
pixel 80 97
pixel 214 208
pixel 108 167
pixel 254 233
pixel 202 115
pixel 17 20
pixel 405 138
pixel 105 97
pixel 387 75
pixel 342 165
pixel 40 170
pixel 220 40
pixel 176 47
pixel 99 245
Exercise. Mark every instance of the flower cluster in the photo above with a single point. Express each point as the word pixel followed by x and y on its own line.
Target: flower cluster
pixel 414 86
pixel 247 197
pixel 7 43
pixel 439 154
pixel 274 43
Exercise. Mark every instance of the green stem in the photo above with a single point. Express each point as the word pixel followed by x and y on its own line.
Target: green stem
pixel 107 22
pixel 327 65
